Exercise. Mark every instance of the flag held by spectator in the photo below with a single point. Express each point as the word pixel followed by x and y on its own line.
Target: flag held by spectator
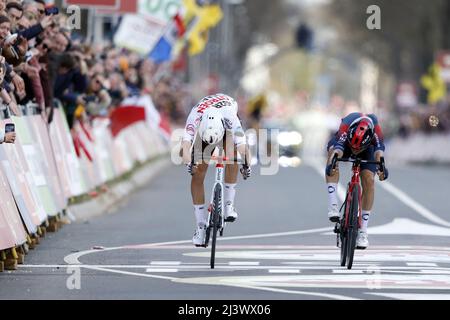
pixel 163 50
pixel 205 17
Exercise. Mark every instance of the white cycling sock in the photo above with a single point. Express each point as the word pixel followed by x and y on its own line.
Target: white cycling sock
pixel 332 196
pixel 230 193
pixel 365 220
pixel 201 214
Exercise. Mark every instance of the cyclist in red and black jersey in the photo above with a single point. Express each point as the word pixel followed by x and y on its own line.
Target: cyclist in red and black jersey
pixel 359 135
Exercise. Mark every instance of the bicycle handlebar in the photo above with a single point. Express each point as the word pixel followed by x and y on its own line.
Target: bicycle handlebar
pixel 380 163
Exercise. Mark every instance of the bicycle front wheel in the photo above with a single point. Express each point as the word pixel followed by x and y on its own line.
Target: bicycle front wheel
pixel 344 233
pixel 353 226
pixel 215 220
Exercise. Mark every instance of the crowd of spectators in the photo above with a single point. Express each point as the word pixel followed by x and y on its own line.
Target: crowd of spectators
pixel 425 119
pixel 42 61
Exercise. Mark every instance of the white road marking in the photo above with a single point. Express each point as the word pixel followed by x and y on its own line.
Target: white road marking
pixel 278 234
pixel 150 270
pixel 412 296
pixel 284 270
pixel 421 264
pixel 345 271
pixel 396 192
pixel 315 294
pixel 413 204
pixel 407 226
pixel 350 281
pixel 331 263
pixel 131 273
pixel 171 263
pixel 73 259
pixel 435 271
pixel 243 263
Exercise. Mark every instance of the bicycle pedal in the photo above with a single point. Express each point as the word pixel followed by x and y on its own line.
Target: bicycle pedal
pixel 334 219
pixel 361 248
pixel 337 229
pixel 230 219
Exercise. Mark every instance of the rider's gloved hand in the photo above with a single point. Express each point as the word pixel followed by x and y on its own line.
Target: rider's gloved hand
pixel 246 172
pixel 191 168
pixel 383 175
pixel 328 170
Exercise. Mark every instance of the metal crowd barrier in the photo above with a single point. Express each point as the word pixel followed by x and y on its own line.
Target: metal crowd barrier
pixel 50 164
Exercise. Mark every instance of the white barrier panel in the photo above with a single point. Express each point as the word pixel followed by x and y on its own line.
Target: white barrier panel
pixel 35 158
pixel 12 232
pixel 43 140
pixel 21 182
pixel 69 167
pixel 102 152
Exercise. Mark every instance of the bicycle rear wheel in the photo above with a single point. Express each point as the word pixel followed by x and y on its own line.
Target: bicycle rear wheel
pixel 353 226
pixel 215 220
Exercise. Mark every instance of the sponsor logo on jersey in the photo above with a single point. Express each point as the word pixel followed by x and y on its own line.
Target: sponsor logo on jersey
pixel 190 129
pixel 218 101
pixel 343 138
pixel 228 124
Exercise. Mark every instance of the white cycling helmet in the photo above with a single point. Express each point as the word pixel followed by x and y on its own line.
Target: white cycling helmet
pixel 211 129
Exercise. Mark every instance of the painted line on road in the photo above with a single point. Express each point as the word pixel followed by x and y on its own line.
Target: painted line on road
pixel 152 270
pixel 412 296
pixel 431 271
pixel 413 204
pixel 171 263
pixel 346 271
pixel 284 270
pixel 131 273
pixel 316 294
pixel 73 259
pixel 243 263
pixel 421 264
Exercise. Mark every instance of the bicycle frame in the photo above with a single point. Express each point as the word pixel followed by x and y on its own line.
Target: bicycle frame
pixel 355 180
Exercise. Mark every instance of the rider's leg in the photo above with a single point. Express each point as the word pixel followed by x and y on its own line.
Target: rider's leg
pixel 332 186
pixel 198 194
pixel 231 174
pixel 368 195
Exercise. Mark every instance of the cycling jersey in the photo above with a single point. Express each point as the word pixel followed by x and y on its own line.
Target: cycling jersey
pixel 340 141
pixel 229 109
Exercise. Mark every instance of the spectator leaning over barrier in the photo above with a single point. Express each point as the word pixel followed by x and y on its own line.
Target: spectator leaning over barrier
pixel 14 11
pixel 97 100
pixel 8 137
pixel 10 77
pixel 69 86
pixel 40 7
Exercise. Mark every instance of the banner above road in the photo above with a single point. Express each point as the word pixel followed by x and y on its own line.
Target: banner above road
pixel 160 10
pixel 104 4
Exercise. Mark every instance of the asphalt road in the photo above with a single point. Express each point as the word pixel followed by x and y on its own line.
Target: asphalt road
pixel 280 248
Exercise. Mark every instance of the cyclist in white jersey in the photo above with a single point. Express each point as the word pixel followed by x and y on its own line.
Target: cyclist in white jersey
pixel 210 124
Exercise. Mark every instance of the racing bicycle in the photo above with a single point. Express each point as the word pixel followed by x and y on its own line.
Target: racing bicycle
pixel 348 225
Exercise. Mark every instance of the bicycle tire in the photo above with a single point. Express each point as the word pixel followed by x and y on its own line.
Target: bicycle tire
pixel 215 211
pixel 344 234
pixel 353 226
